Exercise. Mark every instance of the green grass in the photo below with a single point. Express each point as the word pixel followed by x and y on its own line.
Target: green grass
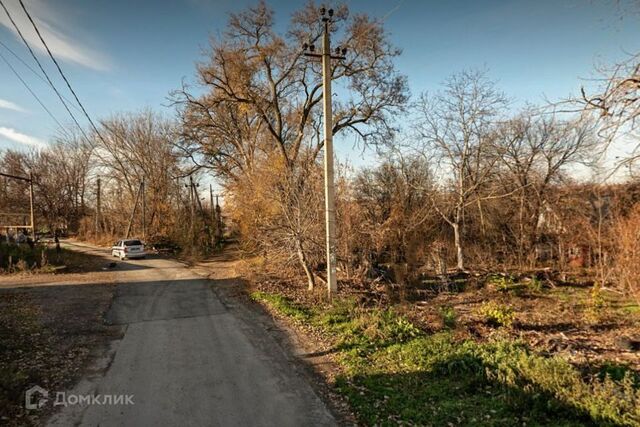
pixel 283 305
pixel 393 372
pixel 630 309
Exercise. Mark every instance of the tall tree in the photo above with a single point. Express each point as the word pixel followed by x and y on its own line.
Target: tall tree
pixel 257 104
pixel 256 92
pixel 535 151
pixel 456 126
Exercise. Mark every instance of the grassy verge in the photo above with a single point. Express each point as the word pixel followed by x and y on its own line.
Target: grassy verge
pixel 393 372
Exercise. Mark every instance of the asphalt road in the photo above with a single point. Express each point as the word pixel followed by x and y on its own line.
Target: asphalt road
pixel 188 360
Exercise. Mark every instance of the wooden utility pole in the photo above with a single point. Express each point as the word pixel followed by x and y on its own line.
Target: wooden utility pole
pixel 218 222
pixel 192 208
pixel 213 208
pixel 133 212
pixel 214 222
pixel 97 206
pixel 144 210
pixel 330 214
pixel 33 220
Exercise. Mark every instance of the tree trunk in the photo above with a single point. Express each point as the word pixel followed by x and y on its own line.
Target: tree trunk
pixel 458 242
pixel 311 280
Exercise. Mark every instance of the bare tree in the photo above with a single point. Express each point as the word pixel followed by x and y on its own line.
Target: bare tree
pixel 535 152
pixel 258 98
pixel 456 127
pixel 616 97
pixel 135 147
pixel 262 94
pixel 61 173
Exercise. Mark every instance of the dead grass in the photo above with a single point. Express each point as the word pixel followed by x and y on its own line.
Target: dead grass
pixel 48 336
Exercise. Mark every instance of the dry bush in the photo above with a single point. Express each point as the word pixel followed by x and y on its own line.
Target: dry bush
pixel 279 214
pixel 627 263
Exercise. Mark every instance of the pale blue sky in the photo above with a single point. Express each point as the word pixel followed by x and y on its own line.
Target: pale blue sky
pixel 123 55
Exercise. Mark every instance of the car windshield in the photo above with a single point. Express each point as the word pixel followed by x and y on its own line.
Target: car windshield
pixel 132 243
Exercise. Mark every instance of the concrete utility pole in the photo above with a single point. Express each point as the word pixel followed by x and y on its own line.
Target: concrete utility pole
pixel 330 214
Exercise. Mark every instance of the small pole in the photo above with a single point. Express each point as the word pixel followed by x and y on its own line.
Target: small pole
pixel 144 210
pixel 133 214
pixel 33 221
pixel 218 221
pixel 213 216
pixel 191 207
pixel 97 206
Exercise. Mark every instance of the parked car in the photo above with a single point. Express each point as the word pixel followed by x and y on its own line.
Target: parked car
pixel 129 248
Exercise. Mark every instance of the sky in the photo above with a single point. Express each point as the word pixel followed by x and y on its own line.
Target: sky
pixel 128 55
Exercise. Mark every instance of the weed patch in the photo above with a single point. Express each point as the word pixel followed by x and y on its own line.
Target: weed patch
pixel 395 373
pixel 497 314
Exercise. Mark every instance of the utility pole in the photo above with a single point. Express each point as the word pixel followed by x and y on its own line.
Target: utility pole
pixel 330 214
pixel 213 217
pixel 33 221
pixel 218 222
pixel 213 208
pixel 97 206
pixel 144 211
pixel 133 212
pixel 192 208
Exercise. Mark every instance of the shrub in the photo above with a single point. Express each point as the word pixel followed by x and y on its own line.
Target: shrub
pixel 497 314
pixel 597 306
pixel 448 316
pixel 501 282
pixel 627 263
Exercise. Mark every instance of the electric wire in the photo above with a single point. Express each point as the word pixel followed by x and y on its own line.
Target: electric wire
pixel 37 74
pixel 35 27
pixel 24 83
pixel 24 40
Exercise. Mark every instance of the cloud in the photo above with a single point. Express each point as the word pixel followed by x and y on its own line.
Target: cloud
pixel 8 105
pixel 21 138
pixel 52 24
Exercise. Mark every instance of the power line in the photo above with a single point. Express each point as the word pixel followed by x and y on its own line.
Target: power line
pixel 37 74
pixel 35 27
pixel 43 70
pixel 29 89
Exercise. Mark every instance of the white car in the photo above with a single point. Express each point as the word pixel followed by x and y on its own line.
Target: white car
pixel 130 248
